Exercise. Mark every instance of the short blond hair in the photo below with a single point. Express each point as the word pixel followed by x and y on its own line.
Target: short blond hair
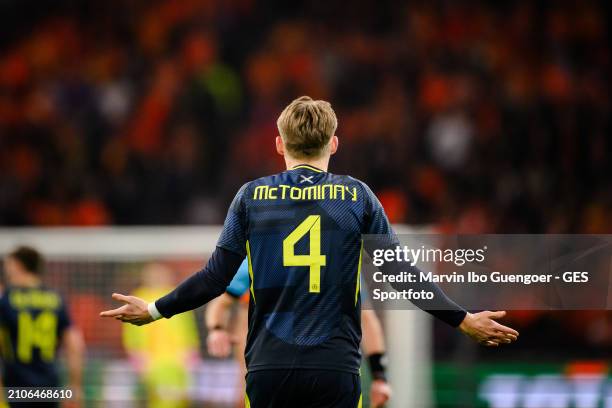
pixel 307 126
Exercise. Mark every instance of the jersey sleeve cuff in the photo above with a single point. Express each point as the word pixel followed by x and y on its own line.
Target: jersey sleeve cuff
pixel 233 294
pixel 153 311
pixel 457 318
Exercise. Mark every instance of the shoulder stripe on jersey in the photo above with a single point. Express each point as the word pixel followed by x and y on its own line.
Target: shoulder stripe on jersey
pixel 358 284
pixel 248 250
pixel 306 166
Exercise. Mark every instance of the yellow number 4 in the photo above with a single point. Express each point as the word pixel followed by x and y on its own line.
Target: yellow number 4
pixel 311 225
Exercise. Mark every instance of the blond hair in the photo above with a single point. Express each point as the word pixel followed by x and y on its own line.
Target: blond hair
pixel 307 126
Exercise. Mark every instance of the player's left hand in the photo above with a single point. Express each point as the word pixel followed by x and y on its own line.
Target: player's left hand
pixel 483 328
pixel 134 311
pixel 380 392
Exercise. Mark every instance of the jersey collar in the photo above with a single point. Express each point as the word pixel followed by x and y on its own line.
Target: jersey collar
pixel 307 166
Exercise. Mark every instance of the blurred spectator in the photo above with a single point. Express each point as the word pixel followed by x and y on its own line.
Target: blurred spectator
pixel 156 112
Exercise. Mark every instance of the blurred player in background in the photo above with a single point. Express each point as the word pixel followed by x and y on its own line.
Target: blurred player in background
pixel 163 355
pixel 225 338
pixel 301 231
pixel 34 323
pixel 221 336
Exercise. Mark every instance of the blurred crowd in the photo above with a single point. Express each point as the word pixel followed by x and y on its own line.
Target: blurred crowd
pixel 476 116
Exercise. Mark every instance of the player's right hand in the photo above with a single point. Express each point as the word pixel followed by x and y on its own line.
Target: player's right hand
pixel 134 311
pixel 219 343
pixel 483 328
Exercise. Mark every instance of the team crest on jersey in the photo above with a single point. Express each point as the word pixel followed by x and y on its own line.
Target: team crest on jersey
pixel 304 179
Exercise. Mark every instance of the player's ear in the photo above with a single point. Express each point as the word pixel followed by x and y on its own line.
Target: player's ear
pixel 333 145
pixel 280 146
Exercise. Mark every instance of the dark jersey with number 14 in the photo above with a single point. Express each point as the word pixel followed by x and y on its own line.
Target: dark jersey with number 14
pixel 301 233
pixel 32 322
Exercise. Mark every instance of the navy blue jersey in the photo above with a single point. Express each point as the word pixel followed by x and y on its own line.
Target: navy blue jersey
pixel 301 233
pixel 32 322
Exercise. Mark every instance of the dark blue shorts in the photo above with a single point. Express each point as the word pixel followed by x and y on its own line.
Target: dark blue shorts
pixel 300 388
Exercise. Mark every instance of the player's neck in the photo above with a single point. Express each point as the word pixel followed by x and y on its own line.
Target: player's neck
pixel 26 281
pixel 320 163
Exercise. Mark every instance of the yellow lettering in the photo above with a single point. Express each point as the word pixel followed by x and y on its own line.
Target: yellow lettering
pixel 329 193
pixel 298 195
pixel 261 193
pixel 309 193
pixel 338 189
pixel 317 192
pixel 283 190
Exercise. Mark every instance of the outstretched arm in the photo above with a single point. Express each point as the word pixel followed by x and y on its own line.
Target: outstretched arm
pixel 200 287
pixel 481 327
pixel 193 292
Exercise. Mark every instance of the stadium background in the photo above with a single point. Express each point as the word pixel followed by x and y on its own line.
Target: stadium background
pixel 465 117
